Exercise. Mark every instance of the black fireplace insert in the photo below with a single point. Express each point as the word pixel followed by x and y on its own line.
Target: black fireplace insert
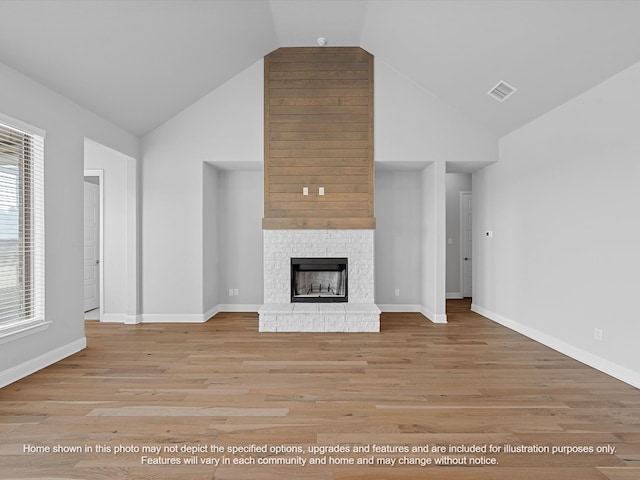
pixel 319 280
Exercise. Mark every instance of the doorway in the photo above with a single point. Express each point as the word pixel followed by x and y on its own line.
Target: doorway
pixel 92 245
pixel 466 265
pixel 459 235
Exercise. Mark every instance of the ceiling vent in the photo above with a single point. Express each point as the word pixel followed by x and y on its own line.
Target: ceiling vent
pixel 501 91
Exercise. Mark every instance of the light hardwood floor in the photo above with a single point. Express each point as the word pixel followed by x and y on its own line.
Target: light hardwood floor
pixel 469 382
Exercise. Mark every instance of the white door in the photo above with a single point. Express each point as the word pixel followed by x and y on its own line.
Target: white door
pixel 91 246
pixel 465 243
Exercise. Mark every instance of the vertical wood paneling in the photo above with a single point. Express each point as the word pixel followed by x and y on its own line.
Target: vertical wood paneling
pixel 318 132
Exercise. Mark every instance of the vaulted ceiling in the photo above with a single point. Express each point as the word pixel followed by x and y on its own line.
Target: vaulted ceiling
pixel 139 62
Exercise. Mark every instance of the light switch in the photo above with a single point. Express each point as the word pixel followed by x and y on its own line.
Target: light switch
pixel 321 191
pixel 305 190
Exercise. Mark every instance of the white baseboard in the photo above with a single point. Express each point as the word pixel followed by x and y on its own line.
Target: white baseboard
pixel 605 366
pixel 25 369
pixel 454 295
pixel 132 319
pixel 113 318
pixel 211 312
pixel 177 317
pixel 121 318
pixel 397 307
pixel 173 318
pixel 238 307
pixel 441 318
pixel 151 318
pixel 392 307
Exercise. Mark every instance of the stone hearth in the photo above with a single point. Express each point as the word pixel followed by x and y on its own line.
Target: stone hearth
pixel 278 314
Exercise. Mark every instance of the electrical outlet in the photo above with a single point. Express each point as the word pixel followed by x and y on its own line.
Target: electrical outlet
pixel 397 292
pixel 231 292
pixel 235 292
pixel 305 190
pixel 597 334
pixel 321 191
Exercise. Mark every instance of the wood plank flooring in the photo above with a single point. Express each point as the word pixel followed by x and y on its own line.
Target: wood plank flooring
pixel 470 384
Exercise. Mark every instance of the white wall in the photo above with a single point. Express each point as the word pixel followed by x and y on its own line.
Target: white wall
pixel 224 126
pixel 433 242
pixel 456 183
pixel 119 205
pixel 413 125
pixel 562 202
pixel 398 254
pixel 211 243
pixel 67 125
pixel 240 204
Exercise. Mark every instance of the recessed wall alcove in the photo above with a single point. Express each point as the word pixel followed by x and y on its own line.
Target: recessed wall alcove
pixel 233 235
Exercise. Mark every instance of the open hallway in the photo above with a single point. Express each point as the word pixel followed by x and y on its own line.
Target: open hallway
pixel 469 382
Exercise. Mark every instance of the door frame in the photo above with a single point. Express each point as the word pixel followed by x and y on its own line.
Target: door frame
pixel 100 174
pixel 462 230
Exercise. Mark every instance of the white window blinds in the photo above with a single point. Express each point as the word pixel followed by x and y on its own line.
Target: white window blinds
pixel 21 230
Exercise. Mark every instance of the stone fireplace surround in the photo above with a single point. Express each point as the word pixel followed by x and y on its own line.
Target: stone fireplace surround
pixel 278 314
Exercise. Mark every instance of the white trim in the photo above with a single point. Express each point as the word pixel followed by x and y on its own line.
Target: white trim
pixel 177 317
pixel 114 318
pixel 398 307
pixel 172 318
pixel 29 367
pixel 236 307
pixel 13 332
pixel 603 365
pixel 23 126
pixel 454 295
pixel 100 174
pixel 132 319
pixel 441 318
pixel 211 312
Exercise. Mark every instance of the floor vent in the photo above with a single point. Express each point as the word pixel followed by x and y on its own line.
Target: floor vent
pixel 501 91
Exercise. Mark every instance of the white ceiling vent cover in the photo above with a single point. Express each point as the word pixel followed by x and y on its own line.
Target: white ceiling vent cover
pixel 502 91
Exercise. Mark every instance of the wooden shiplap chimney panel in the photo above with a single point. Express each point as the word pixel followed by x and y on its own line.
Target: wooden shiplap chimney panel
pixel 318 126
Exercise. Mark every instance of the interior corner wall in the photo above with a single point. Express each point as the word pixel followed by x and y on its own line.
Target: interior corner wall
pixel 224 126
pixel 398 207
pixel 456 183
pixel 562 203
pixel 66 125
pixel 210 244
pixel 433 242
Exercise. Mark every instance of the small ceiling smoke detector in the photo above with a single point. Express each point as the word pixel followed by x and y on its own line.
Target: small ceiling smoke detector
pixel 502 91
pixel 322 41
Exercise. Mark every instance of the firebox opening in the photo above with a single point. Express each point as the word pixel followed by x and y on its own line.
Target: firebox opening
pixel 319 280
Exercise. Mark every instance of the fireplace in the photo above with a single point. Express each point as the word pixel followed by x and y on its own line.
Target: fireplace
pixel 319 280
pixel 323 306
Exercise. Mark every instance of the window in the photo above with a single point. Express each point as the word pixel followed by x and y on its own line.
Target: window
pixel 21 229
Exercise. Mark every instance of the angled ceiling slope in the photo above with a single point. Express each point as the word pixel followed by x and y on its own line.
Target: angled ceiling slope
pixel 139 62
pixel 551 51
pixel 136 63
